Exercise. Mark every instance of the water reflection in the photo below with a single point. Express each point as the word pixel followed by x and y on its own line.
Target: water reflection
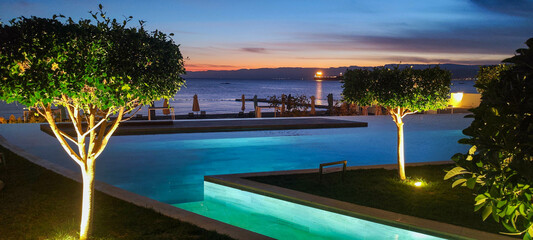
pixel 318 94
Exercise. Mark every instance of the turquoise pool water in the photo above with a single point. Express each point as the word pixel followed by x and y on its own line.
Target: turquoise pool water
pixel 285 220
pixel 170 167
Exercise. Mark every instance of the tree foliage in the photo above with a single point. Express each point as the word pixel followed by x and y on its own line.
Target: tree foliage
pixel 358 86
pixel 487 74
pixel 499 165
pixel 416 90
pixel 102 65
pixel 295 105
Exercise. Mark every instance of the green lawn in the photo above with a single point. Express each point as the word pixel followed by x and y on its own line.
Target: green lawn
pixel 39 204
pixel 380 188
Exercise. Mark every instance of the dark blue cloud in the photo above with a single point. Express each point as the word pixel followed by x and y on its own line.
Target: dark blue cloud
pixel 509 7
pixel 452 39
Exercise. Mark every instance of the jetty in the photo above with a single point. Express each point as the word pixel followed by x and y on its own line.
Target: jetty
pixel 264 100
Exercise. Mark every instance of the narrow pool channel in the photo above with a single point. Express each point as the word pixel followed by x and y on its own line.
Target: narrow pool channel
pixel 281 219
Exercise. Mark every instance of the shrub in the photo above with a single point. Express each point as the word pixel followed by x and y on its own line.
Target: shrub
pixel 296 106
pixel 499 165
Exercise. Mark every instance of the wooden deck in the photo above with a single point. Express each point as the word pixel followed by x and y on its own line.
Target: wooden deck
pixel 194 126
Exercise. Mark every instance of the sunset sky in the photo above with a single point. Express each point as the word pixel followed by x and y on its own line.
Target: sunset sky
pixel 220 35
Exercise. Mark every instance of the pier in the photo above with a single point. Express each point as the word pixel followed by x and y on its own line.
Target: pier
pixel 264 100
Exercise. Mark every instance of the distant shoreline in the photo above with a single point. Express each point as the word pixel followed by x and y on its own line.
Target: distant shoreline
pixel 310 79
pixel 294 73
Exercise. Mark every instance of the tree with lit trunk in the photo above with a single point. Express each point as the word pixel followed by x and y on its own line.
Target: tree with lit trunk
pixel 401 91
pixel 99 70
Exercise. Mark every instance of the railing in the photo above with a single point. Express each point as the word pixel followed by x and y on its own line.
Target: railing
pixel 322 165
pixel 258 110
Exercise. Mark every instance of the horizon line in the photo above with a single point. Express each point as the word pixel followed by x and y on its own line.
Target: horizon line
pixel 429 64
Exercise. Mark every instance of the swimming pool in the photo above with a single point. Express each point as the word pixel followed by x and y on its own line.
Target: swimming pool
pixel 286 220
pixel 170 167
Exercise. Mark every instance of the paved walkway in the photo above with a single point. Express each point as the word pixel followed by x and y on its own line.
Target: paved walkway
pixel 193 126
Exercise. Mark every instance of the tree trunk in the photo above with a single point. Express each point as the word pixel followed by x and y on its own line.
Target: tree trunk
pixel 401 157
pixel 397 115
pixel 88 199
pixel 99 135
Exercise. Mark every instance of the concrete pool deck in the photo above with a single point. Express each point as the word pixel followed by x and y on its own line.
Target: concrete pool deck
pixel 411 223
pixel 219 125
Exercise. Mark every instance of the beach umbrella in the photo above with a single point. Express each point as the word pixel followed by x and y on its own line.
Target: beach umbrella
pixel 282 104
pixel 313 112
pixel 243 103
pixel 166 111
pixel 195 105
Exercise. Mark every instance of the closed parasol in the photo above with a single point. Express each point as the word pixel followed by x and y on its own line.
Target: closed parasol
pixel 243 103
pixel 195 104
pixel 313 111
pixel 166 111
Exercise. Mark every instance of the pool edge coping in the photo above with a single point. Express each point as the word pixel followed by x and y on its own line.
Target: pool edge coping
pixel 139 200
pixel 173 127
pixel 403 221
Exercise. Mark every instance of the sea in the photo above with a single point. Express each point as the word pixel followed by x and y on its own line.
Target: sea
pixel 218 96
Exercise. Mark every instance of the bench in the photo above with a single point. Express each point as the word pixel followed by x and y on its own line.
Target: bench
pixel 161 108
pixel 258 110
pixel 322 165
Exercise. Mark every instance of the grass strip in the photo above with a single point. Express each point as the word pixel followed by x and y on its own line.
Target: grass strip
pixel 381 188
pixel 39 204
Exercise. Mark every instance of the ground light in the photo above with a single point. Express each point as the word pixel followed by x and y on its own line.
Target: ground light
pixel 415 182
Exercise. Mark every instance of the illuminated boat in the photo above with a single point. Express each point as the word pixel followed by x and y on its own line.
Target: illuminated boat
pixel 319 76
